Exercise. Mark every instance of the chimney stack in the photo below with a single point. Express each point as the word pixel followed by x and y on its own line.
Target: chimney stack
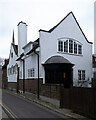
pixel 22 37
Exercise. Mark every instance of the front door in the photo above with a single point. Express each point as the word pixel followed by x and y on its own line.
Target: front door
pixel 58 74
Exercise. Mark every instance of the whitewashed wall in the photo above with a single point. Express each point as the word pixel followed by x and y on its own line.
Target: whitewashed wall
pixel 67 29
pixel 31 62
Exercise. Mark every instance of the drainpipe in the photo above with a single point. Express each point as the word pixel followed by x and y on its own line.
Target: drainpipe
pixel 17 89
pixel 38 75
pixel 23 76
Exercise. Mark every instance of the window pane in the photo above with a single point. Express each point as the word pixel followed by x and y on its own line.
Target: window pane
pixel 66 46
pixel 83 74
pixel 79 74
pixel 70 46
pixel 79 49
pixel 60 46
pixel 31 72
pixel 94 75
pixel 75 48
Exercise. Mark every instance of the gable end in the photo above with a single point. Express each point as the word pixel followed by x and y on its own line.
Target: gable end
pixel 62 21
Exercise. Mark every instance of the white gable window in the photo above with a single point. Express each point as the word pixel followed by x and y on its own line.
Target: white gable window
pixel 69 46
pixel 31 72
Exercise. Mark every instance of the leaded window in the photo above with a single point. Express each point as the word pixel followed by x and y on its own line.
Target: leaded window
pixel 60 46
pixel 81 74
pixel 31 72
pixel 70 46
pixel 75 48
pixel 66 46
pixel 79 49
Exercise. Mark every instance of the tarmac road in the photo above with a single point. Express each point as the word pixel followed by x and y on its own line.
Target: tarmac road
pixel 22 108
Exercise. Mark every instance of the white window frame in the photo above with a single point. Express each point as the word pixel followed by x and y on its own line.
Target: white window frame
pixel 59 46
pixel 74 42
pixel 81 75
pixel 31 73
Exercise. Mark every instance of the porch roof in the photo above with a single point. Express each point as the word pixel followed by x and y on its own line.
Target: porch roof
pixel 57 59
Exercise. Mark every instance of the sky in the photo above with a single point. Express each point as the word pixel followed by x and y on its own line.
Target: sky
pixel 41 14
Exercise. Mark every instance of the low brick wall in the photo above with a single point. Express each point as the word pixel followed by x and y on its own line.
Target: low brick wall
pixel 12 85
pixel 51 91
pixel 4 78
pixel 30 85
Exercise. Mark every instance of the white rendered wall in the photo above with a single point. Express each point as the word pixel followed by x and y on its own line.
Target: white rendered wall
pixel 12 61
pixel 31 62
pixel 22 37
pixel 67 29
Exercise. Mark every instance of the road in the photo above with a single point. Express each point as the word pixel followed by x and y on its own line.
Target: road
pixel 22 108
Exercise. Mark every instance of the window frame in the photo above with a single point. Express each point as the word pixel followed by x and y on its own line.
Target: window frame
pixel 31 73
pixel 60 46
pixel 70 46
pixel 81 75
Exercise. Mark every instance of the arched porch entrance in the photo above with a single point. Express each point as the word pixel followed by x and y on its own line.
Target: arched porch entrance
pixel 58 70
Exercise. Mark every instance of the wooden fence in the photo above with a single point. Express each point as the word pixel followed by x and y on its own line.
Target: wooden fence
pixel 82 100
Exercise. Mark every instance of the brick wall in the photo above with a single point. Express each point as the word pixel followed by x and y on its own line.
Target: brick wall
pixel 4 78
pixel 12 85
pixel 30 85
pixel 51 91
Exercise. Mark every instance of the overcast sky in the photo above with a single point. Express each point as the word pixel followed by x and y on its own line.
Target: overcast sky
pixel 41 14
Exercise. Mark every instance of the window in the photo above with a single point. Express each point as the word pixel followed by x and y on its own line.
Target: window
pixel 12 54
pixel 31 72
pixel 75 48
pixel 66 46
pixel 60 46
pixel 79 49
pixel 16 68
pixel 70 46
pixel 9 71
pixel 13 69
pixel 20 74
pixel 81 74
pixel 94 75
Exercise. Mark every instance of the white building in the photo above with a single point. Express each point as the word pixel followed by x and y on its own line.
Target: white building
pixel 13 64
pixel 65 54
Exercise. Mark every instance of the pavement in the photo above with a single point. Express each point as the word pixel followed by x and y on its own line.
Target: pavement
pixel 62 111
